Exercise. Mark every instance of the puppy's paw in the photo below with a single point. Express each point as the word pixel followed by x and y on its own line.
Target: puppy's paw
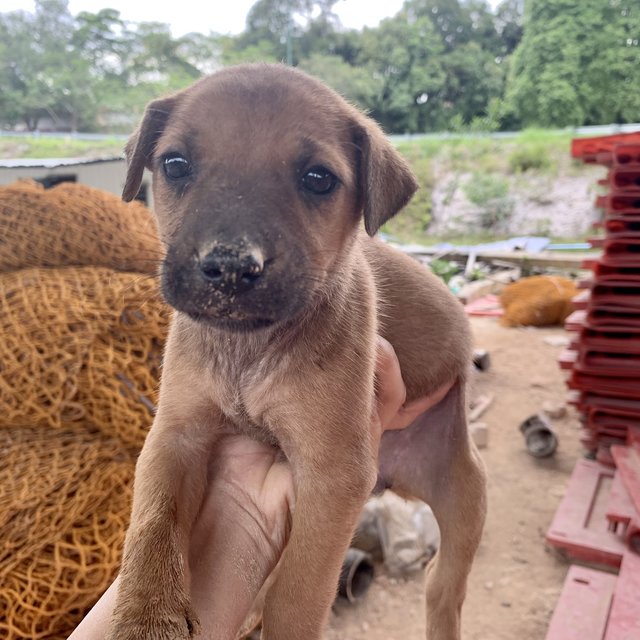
pixel 177 625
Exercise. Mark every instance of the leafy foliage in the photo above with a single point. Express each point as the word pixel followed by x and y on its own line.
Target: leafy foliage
pixel 436 64
pixel 577 63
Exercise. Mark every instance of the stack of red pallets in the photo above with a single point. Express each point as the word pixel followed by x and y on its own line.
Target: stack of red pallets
pixel 598 520
pixel 604 357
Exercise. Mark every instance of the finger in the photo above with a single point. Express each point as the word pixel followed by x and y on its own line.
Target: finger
pixel 390 389
pixel 241 458
pixel 409 412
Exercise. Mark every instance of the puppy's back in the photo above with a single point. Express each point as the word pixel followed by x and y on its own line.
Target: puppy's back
pixel 421 318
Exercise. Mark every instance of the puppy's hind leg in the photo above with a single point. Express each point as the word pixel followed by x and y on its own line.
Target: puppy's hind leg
pixel 434 460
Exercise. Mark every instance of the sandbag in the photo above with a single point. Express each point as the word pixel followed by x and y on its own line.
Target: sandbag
pixel 537 301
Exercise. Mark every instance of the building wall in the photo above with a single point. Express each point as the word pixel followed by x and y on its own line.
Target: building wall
pixel 108 175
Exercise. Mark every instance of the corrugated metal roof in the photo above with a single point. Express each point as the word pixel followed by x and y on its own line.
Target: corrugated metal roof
pixel 50 163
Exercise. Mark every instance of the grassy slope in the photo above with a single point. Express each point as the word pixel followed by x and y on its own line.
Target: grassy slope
pixel 43 146
pixel 497 164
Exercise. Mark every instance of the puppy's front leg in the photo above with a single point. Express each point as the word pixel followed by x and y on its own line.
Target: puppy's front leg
pixel 334 465
pixel 171 474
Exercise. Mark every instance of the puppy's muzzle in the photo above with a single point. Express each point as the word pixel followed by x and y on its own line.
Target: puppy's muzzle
pixel 232 270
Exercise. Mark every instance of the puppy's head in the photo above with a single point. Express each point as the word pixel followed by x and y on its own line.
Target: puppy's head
pixel 261 176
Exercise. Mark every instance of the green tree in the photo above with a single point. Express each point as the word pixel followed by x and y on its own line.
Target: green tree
pixel 458 21
pixel 354 83
pixel 473 77
pixel 403 56
pixel 40 72
pixel 283 23
pixel 509 24
pixel 578 63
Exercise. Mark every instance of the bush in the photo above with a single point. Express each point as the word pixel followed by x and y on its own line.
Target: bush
pixel 529 156
pixel 490 192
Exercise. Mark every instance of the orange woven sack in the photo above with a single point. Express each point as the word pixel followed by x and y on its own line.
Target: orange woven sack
pixel 64 509
pixel 72 224
pixel 537 301
pixel 81 348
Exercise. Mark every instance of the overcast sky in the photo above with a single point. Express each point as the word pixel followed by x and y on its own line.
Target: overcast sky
pixel 221 16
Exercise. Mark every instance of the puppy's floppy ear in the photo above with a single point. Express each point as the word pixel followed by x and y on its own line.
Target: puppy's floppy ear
pixel 141 145
pixel 386 182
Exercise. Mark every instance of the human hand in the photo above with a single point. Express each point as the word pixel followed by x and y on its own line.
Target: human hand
pixel 392 412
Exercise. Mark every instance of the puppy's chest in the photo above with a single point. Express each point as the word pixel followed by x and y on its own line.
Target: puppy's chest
pixel 244 388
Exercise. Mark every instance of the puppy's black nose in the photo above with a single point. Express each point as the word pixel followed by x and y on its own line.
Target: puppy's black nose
pixel 232 269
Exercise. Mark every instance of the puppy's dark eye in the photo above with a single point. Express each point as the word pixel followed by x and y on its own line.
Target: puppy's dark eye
pixel 176 166
pixel 319 180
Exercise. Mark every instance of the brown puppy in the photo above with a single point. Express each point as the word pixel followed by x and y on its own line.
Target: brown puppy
pixel 262 178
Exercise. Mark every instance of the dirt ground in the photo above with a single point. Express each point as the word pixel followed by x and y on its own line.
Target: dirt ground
pixel 516 579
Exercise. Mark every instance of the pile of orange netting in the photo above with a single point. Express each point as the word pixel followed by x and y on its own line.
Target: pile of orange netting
pixel 538 301
pixel 82 328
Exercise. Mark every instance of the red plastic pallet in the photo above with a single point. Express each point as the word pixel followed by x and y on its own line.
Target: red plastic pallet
pixel 583 608
pixel 599 363
pixel 604 272
pixel 624 618
pixel 620 509
pixel 610 316
pixel 628 463
pixel 617 226
pixel 606 144
pixel 567 359
pixel 627 201
pixel 579 525
pixel 625 179
pixel 616 292
pixel 581 301
pixel 616 387
pixel 618 406
pixel 576 321
pixel 627 152
pixel 621 251
pixel 616 340
pixel 608 430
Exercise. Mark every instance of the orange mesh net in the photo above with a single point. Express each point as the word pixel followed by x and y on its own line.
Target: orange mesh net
pixel 79 361
pixel 63 512
pixel 82 346
pixel 72 224
pixel 537 301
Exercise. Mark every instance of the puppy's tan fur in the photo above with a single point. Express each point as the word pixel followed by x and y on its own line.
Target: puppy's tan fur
pixel 306 380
